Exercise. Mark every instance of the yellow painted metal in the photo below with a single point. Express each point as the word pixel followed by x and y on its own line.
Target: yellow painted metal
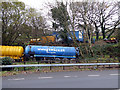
pixel 44 39
pixel 14 52
pixel 113 38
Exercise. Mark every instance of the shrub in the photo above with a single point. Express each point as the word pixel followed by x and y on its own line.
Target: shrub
pixel 0 61
pixel 6 61
pixel 108 49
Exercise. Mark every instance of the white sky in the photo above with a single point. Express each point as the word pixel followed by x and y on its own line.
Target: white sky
pixel 38 4
pixel 42 4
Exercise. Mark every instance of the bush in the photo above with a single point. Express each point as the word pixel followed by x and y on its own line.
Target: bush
pixel 6 61
pixel 108 49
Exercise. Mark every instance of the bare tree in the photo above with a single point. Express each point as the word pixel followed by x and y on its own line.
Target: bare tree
pixel 106 13
pixel 83 15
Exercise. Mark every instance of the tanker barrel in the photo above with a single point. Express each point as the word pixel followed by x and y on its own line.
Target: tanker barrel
pixel 11 51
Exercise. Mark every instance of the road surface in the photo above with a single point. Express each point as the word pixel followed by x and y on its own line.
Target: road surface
pixel 77 79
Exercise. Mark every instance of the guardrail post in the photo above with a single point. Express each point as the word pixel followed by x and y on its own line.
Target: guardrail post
pixel 79 66
pixel 12 68
pixel 97 65
pixel 109 65
pixel 103 66
pixel 63 63
pixel 24 67
pixel 50 66
pixel 38 63
pixel 119 62
pixel 84 65
pixel 18 69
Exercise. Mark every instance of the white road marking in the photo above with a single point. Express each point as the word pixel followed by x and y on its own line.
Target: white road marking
pixel 93 75
pixel 114 74
pixel 17 79
pixel 75 76
pixel 67 76
pixel 44 77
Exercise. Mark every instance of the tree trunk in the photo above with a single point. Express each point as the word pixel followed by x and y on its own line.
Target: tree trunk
pixel 110 34
pixel 103 32
pixel 103 27
pixel 97 35
pixel 97 31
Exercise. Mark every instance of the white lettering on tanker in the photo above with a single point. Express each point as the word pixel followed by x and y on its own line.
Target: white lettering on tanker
pixel 52 50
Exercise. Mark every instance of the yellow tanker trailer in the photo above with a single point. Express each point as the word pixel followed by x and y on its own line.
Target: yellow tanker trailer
pixel 14 52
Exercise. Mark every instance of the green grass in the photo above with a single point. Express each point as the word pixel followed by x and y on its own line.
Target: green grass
pixel 115 45
pixel 20 63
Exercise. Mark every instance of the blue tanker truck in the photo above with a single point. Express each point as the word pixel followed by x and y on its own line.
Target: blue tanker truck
pixel 51 52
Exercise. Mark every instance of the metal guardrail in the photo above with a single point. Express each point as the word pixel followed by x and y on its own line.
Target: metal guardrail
pixel 47 65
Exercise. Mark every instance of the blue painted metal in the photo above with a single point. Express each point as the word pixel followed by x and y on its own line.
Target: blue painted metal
pixel 93 40
pixel 78 34
pixel 51 51
pixel 55 56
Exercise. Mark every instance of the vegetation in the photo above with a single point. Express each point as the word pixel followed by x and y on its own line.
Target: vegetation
pixel 61 19
pixel 21 23
pixel 108 49
pixel 6 61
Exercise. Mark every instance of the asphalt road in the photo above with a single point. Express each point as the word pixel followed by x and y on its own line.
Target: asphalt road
pixel 80 79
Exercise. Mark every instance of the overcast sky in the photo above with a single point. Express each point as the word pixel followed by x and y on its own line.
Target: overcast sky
pixel 39 4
